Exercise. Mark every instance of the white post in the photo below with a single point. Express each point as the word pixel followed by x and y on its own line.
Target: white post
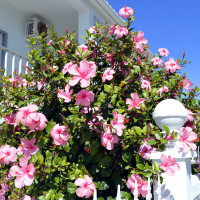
pixel 6 63
pixel 149 195
pixel 13 65
pixel 118 193
pixel 20 66
pixel 136 191
pixel 95 195
pixel 173 114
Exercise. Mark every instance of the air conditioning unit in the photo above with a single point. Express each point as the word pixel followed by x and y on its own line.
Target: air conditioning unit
pixel 35 27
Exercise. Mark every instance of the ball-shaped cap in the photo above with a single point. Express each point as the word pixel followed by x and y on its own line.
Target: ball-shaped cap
pixel 171 113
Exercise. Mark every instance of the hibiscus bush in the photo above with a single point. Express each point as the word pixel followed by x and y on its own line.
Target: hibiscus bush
pixel 81 118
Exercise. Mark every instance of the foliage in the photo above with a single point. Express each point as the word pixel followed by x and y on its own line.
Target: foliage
pixel 86 152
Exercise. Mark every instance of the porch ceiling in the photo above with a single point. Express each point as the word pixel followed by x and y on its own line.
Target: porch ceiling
pixel 47 8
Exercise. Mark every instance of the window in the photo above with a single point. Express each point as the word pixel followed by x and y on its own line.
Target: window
pixel 3 42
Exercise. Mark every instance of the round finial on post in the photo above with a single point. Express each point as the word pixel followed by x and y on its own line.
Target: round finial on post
pixel 171 113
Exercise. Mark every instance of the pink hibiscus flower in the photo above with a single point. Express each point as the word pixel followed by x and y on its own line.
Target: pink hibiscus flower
pixel 157 61
pixel 24 174
pixel 126 12
pixel 67 67
pixel 83 48
pixel 135 101
pixel 163 52
pixel 60 135
pixel 187 84
pixel 145 151
pixel 84 97
pixel 87 187
pixel 139 42
pixel 108 139
pixel 118 123
pixel 172 65
pixel 65 95
pixel 112 29
pixel 162 89
pixel 146 84
pixel 83 74
pixel 7 154
pixel 141 185
pixel 108 74
pixel 169 165
pixel 26 197
pixel 27 148
pixel 10 119
pixel 121 31
pixel 188 137
pixel 26 114
pixel 190 116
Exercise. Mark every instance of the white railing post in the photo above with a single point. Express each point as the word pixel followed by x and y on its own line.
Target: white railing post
pixel 6 63
pixel 20 66
pixel 149 195
pixel 13 65
pixel 136 193
pixel 118 193
pixel 95 195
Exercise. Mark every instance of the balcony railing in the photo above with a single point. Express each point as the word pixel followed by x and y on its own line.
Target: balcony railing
pixel 12 62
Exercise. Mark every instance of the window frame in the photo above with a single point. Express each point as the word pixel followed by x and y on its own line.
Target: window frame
pixel 4 44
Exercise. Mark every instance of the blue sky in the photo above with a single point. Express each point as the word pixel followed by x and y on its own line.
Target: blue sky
pixel 171 24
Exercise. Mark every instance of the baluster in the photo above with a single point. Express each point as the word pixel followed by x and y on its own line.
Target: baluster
pixel 6 63
pixel 198 154
pixel 26 67
pixel 118 193
pixel 149 195
pixel 159 189
pixel 13 65
pixel 95 195
pixel 136 191
pixel 20 65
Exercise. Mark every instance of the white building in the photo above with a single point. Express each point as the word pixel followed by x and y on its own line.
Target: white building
pixel 76 15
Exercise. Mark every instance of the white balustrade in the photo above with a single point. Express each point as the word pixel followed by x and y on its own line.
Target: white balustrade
pixel 13 62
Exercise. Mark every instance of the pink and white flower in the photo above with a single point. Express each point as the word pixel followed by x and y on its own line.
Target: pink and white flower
pixel 7 154
pixel 142 186
pixel 108 139
pixel 86 187
pixel 188 137
pixel 108 75
pixel 163 52
pixel 187 84
pixel 67 67
pixel 24 174
pixel 60 135
pixel 121 31
pixel 162 89
pixel 27 148
pixel 118 123
pixel 169 165
pixel 145 151
pixel 171 65
pixel 10 119
pixel 135 101
pixel 84 97
pixel 83 74
pixel 66 95
pixel 126 12
pixel 157 61
pixel 146 84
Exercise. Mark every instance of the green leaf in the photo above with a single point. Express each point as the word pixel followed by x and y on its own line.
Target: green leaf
pixel 59 196
pixel 34 98
pixel 106 172
pixel 71 188
pixel 140 166
pixel 50 126
pixel 125 195
pixel 49 157
pixel 156 167
pixel 151 142
pixel 138 130
pixel 107 88
pixel 85 135
pixel 105 162
pixel 166 129
pixel 94 147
